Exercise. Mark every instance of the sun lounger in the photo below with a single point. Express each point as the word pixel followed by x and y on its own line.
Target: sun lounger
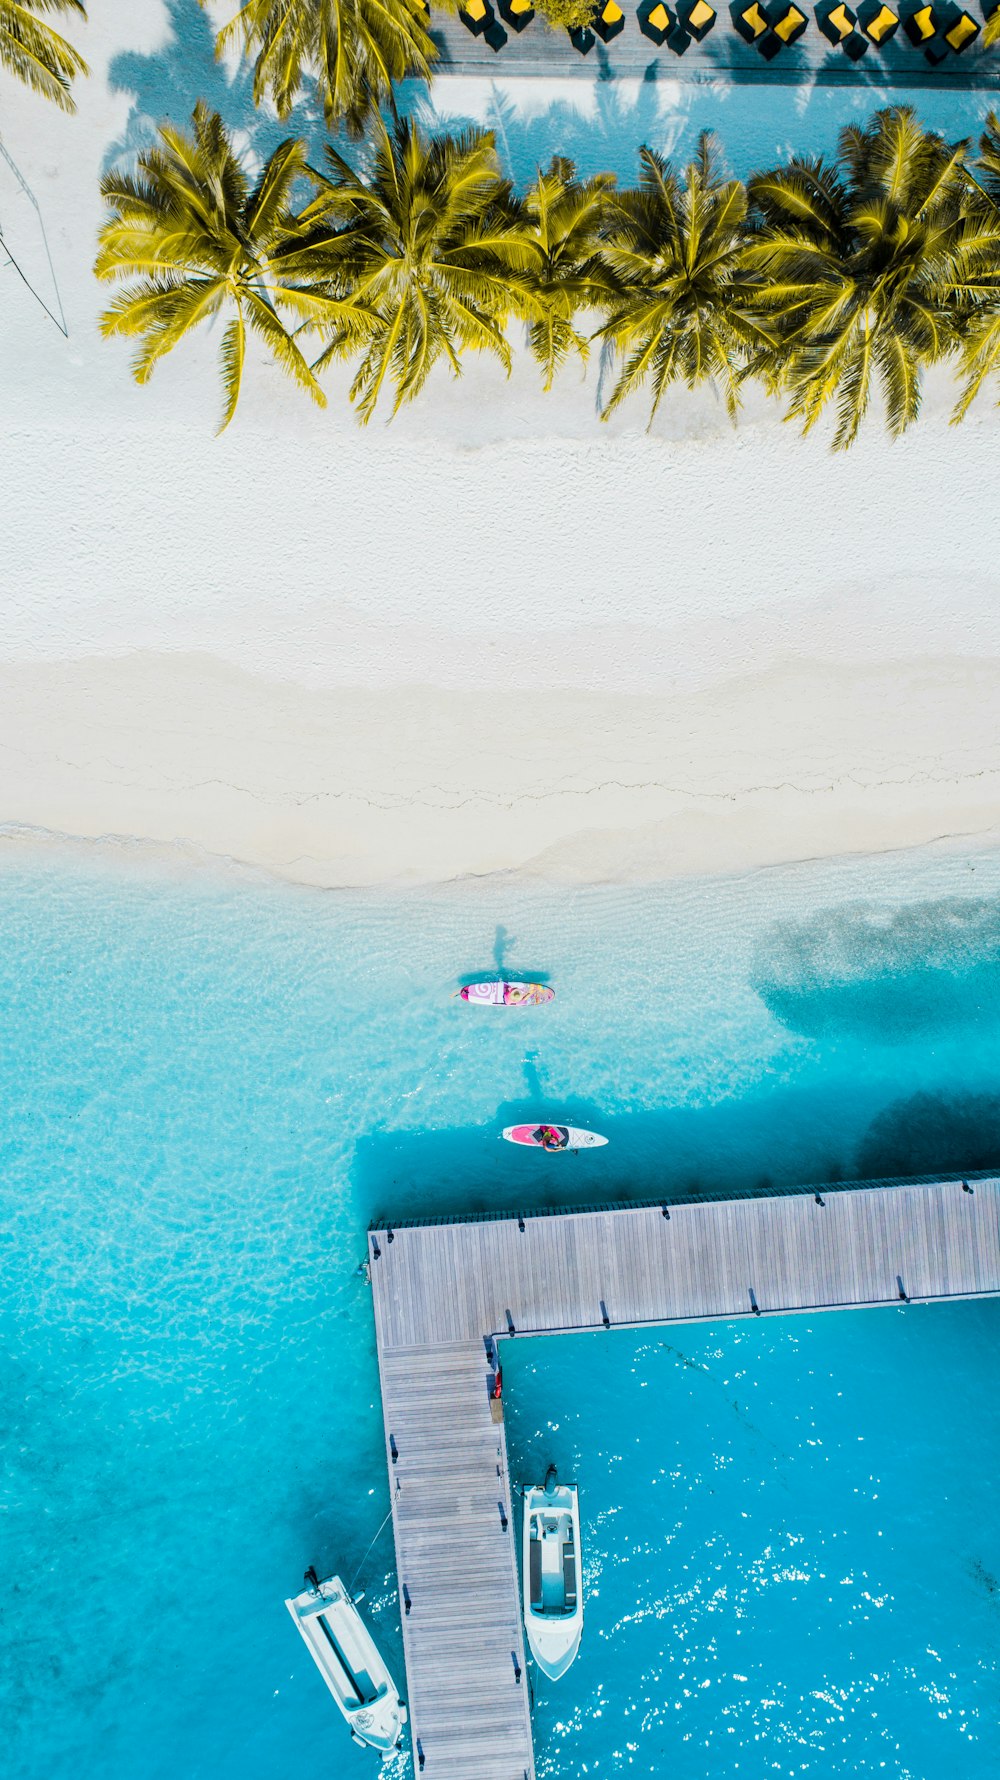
pixel 878 22
pixel 609 20
pixel 516 13
pixel 748 20
pixel 476 16
pixel 958 29
pixel 697 17
pixel 836 21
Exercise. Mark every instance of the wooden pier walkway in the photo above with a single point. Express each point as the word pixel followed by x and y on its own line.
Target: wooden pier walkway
pixel 444 1292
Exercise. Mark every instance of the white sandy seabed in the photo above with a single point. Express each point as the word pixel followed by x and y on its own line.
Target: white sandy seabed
pixel 496 634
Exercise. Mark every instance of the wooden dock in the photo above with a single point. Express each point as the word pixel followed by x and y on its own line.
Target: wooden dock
pixel 445 1292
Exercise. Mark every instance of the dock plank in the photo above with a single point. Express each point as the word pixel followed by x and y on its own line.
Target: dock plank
pixel 442 1292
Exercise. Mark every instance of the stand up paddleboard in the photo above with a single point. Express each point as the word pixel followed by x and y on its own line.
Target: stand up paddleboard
pixel 501 994
pixel 553 1137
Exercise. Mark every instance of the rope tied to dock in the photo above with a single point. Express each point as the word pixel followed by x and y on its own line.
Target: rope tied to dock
pixel 368 1553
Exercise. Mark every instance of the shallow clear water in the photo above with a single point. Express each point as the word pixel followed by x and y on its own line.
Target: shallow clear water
pixel 207 1088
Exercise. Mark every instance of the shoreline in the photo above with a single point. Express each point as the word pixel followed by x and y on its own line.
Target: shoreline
pixel 497 637
pixel 205 766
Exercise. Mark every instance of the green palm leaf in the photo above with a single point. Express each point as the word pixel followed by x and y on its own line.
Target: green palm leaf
pixel 354 49
pixel 564 218
pixel 434 244
pixel 976 280
pixel 35 53
pixel 863 270
pixel 678 292
pixel 192 239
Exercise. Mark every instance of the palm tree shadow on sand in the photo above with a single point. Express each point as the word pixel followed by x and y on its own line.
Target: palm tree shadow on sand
pixel 600 123
pixel 601 137
pixel 166 83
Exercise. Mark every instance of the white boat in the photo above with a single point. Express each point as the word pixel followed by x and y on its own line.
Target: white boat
pixel 552 1578
pixel 345 1655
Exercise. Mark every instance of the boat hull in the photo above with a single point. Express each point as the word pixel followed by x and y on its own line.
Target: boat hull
pixel 552 1577
pixel 346 1656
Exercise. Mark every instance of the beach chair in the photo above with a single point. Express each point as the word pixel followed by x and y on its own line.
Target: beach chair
pixel 495 36
pixel 920 26
pixel 878 22
pixel 656 21
pixel 836 21
pixel 786 21
pixel 748 20
pixel 582 39
pixel 608 21
pixel 516 13
pixel 476 16
pixel 958 29
pixel 698 18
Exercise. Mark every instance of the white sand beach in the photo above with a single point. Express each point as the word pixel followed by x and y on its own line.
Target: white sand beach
pixel 494 635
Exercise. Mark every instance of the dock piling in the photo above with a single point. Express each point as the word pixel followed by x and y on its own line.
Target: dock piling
pixel 439 1300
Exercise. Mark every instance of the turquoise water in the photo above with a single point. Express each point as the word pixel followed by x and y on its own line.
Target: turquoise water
pixel 791 1554
pixel 208 1086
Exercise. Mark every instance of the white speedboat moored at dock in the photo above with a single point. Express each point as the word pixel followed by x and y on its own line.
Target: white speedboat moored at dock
pixel 344 1653
pixel 552 1577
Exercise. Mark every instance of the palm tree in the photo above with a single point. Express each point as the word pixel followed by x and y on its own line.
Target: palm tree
pixel 35 53
pixel 355 49
pixel 564 217
pixel 434 244
pixel 859 264
pixel 196 239
pixel 979 296
pixel 673 249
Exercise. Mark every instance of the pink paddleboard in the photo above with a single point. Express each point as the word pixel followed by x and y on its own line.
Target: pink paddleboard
pixel 500 994
pixel 561 1137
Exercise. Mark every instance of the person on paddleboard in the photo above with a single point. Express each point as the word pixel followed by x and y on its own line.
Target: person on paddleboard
pixel 552 1137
